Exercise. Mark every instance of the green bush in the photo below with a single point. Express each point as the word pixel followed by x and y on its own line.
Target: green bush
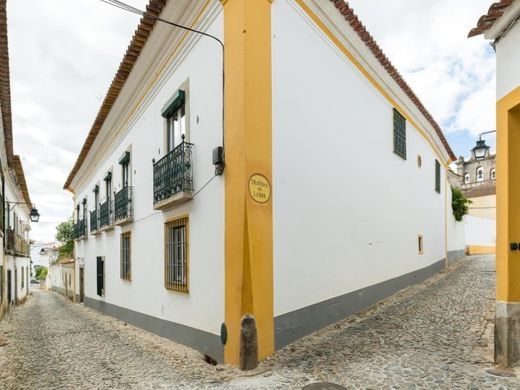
pixel 459 204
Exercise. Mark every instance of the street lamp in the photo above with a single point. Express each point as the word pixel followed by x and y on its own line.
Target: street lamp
pixel 481 149
pixel 34 215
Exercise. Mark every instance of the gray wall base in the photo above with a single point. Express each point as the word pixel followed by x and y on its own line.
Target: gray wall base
pixel 454 256
pixel 292 326
pixel 206 343
pixel 507 334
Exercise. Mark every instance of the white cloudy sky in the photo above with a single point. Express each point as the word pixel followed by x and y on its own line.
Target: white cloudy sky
pixel 64 54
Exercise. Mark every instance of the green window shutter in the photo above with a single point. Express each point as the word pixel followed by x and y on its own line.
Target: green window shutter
pixel 437 177
pixel 173 104
pixel 125 158
pixel 399 135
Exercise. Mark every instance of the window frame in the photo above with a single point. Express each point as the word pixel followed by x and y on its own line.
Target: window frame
pixel 126 263
pixel 467 178
pixel 399 134
pixel 437 176
pixel 493 174
pixel 100 291
pixel 170 283
pixel 420 244
pixel 481 170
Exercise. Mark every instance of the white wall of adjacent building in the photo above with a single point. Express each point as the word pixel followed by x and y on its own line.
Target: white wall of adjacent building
pixel 480 231
pixel 508 62
pixel 347 210
pixel 200 67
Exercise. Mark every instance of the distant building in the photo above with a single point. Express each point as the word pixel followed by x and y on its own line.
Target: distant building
pixel 476 177
pixel 477 180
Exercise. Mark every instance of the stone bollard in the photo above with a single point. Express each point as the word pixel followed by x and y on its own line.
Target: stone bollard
pixel 248 343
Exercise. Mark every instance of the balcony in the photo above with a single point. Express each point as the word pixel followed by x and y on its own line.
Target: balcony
pixel 123 206
pixel 106 220
pixel 94 221
pixel 80 229
pixel 173 177
pixel 16 245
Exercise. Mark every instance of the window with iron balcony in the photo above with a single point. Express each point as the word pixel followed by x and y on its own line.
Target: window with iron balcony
pixel 173 174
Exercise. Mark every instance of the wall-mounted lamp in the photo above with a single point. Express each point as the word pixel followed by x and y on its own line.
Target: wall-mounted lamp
pixel 34 215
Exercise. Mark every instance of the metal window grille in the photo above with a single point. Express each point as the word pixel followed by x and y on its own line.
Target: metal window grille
pixel 176 259
pixel 1 283
pixel 399 134
pixel 100 270
pixel 437 177
pixel 125 256
pixel 23 277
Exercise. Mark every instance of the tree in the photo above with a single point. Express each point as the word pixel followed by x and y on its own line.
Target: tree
pixel 40 272
pixel 65 235
pixel 459 204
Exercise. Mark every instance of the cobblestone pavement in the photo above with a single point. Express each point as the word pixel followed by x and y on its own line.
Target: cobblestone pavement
pixel 436 335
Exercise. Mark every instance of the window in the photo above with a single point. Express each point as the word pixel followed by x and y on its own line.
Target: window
pixel 23 277
pixel 437 177
pixel 493 174
pixel 175 114
pixel 466 178
pixel 125 169
pixel 399 134
pixel 125 256
pixel 176 255
pixel 480 174
pixel 420 244
pixel 100 271
pixel 1 283
pixel 108 185
pixel 96 197
pixel 419 161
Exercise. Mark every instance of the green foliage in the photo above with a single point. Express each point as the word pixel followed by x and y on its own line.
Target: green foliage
pixel 65 235
pixel 40 272
pixel 459 204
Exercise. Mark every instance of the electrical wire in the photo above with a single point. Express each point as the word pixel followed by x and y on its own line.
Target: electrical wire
pixel 126 7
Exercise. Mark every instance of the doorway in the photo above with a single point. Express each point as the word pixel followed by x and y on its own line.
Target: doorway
pixel 9 286
pixel 15 286
pixel 81 285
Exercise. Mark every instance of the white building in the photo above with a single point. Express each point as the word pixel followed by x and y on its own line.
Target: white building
pixel 334 194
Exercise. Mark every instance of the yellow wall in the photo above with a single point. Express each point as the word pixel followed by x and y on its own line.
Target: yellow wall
pixel 248 224
pixel 508 197
pixel 480 250
pixel 483 207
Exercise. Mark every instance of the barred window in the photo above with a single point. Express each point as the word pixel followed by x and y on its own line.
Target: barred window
pixel 437 177
pixel 100 270
pixel 176 255
pixel 23 277
pixel 399 134
pixel 125 256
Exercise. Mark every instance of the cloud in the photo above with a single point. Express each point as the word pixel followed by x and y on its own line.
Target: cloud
pixel 63 57
pixel 454 76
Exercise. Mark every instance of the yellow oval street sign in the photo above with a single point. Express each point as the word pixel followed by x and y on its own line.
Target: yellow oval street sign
pixel 259 188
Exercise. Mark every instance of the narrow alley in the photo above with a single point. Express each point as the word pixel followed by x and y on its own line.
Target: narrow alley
pixel 434 335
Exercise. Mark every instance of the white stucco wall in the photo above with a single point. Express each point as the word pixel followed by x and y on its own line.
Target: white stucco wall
pixel 347 210
pixel 456 231
pixel 480 231
pixel 203 307
pixel 508 62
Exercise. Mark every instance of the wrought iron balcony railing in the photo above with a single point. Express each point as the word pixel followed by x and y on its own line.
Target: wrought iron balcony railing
pixel 123 205
pixel 94 225
pixel 80 229
pixel 10 240
pixel 105 214
pixel 173 173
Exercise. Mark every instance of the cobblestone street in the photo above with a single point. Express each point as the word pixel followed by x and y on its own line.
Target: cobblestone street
pixel 434 335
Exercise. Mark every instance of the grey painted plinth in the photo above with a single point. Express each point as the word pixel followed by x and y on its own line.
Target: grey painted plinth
pixel 507 334
pixel 292 326
pixel 204 342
